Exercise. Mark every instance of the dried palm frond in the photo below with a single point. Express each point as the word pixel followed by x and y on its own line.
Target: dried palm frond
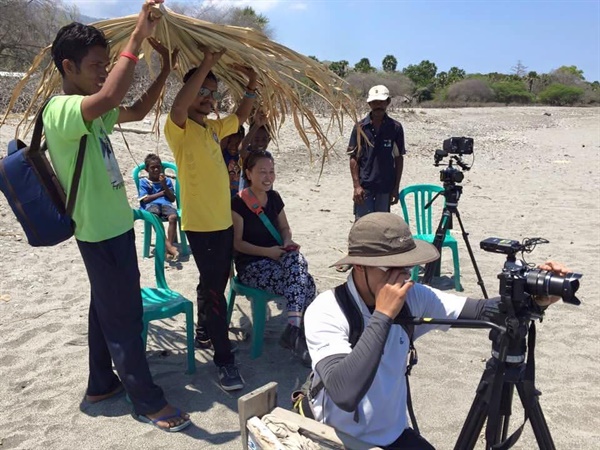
pixel 284 75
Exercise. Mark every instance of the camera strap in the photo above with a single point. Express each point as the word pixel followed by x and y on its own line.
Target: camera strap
pixel 355 321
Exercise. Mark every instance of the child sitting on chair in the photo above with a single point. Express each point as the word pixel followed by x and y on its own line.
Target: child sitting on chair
pixel 231 155
pixel 157 197
pixel 257 140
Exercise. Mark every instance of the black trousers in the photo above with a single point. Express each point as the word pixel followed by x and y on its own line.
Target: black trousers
pixel 410 440
pixel 213 252
pixel 115 323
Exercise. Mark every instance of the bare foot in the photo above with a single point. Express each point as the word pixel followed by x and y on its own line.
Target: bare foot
pixel 170 416
pixel 172 252
pixel 99 398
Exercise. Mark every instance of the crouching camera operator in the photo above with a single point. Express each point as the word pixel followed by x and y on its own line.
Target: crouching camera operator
pixel 363 391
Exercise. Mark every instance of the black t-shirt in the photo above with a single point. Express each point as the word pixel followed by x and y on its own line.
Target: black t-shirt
pixel 255 232
pixel 377 171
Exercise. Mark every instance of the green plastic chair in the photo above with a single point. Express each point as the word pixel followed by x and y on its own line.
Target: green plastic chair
pixel 423 223
pixel 162 302
pixel 147 227
pixel 258 300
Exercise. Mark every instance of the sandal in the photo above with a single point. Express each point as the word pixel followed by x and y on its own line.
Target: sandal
pixel 177 413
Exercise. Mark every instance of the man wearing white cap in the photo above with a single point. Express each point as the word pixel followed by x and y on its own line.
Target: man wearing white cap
pixel 376 156
pixel 362 392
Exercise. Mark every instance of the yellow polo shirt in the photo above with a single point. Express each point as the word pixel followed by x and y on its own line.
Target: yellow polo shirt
pixel 203 176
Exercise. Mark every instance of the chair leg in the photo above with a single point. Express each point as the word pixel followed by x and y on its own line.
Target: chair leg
pixel 414 275
pixel 183 242
pixel 230 303
pixel 259 317
pixel 147 238
pixel 189 329
pixel 457 286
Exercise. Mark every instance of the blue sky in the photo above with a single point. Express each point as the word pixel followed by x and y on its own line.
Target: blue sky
pixel 478 36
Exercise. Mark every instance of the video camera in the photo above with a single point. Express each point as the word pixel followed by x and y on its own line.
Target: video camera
pixel 518 281
pixel 457 146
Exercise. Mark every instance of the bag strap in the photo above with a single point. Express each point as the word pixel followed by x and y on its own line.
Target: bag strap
pixel 253 204
pixel 355 321
pixel 36 147
pixel 76 176
pixel 36 139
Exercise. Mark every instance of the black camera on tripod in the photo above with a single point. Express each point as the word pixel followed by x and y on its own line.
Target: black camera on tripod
pixel 457 146
pixel 519 282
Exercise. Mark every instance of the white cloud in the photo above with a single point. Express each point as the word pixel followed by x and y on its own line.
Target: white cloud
pixel 299 6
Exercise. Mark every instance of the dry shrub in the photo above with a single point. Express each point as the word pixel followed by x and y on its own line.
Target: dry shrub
pixel 401 88
pixel 472 90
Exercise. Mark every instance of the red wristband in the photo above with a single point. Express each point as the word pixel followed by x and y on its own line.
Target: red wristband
pixel 130 56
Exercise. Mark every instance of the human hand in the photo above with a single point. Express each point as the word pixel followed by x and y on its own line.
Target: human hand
pixel 390 293
pixel 260 118
pixel 393 198
pixel 162 178
pixel 557 269
pixel 248 71
pixel 147 21
pixel 211 58
pixel 290 246
pixel 359 195
pixel 275 252
pixel 168 59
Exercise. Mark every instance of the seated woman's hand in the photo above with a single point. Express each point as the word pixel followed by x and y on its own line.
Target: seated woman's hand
pixel 289 245
pixel 275 252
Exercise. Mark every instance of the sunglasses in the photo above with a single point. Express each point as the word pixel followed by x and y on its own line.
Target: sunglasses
pixel 205 92
pixel 406 270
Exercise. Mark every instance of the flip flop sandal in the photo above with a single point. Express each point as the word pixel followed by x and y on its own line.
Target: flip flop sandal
pixel 146 419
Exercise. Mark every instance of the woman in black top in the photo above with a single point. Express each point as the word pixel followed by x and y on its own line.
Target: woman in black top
pixel 261 262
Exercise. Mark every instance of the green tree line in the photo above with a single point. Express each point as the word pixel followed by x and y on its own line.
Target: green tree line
pixel 422 82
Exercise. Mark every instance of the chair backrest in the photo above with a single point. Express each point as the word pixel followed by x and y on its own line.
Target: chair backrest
pixel 159 249
pixel 423 218
pixel 135 174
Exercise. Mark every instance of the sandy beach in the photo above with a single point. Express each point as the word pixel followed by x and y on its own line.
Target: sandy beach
pixel 534 175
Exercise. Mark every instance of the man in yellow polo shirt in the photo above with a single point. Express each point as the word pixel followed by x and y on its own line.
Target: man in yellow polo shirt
pixel 206 200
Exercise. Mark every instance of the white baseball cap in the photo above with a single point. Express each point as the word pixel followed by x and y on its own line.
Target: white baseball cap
pixel 379 92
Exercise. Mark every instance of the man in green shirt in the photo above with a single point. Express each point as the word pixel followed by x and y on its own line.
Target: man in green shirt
pixel 102 215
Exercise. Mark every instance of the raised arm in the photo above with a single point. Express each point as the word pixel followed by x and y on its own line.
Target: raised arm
pixel 260 119
pixel 245 108
pixel 144 104
pixel 120 77
pixel 186 95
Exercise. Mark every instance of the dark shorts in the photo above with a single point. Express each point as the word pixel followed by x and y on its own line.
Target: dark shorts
pixel 162 211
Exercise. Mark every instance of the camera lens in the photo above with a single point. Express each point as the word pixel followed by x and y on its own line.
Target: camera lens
pixel 543 282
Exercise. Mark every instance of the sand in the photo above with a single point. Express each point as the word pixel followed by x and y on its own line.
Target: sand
pixel 534 175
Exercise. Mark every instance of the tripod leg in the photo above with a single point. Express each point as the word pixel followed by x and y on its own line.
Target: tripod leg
pixel 530 400
pixel 465 236
pixel 475 419
pixel 434 267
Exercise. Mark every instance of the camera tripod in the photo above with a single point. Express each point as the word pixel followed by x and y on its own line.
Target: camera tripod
pixel 493 401
pixel 504 371
pixel 451 193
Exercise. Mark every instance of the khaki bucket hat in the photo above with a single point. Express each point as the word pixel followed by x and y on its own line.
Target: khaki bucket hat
pixel 384 240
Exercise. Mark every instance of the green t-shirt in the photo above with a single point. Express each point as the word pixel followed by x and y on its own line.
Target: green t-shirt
pixel 101 209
